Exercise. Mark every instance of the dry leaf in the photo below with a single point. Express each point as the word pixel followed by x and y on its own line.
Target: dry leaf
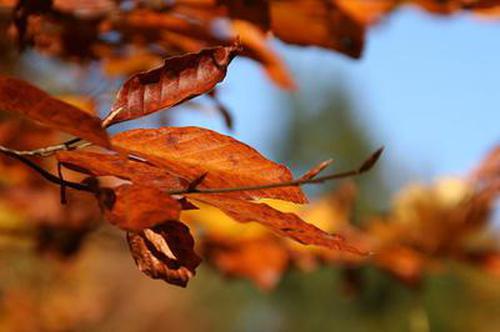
pixel 134 207
pixel 103 164
pixel 262 260
pixel 284 224
pixel 18 96
pixel 179 79
pixel 257 47
pixel 165 252
pixel 316 22
pixel 189 152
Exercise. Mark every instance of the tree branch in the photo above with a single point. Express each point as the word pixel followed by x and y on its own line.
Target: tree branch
pixel 365 166
pixel 43 172
pixel 192 189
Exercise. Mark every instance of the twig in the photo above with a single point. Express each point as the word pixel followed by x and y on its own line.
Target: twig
pixel 68 145
pixel 365 166
pixel 63 187
pixel 45 151
pixel 44 173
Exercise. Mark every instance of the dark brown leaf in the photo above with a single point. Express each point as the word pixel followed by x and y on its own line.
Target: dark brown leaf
pixel 165 252
pixel 179 79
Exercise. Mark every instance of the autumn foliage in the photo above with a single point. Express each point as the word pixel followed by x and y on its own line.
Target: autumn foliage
pixel 164 187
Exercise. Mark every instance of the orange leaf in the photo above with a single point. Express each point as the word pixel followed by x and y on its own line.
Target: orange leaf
pixel 284 224
pixel 101 164
pixel 262 260
pixel 367 12
pixel 179 79
pixel 165 252
pixel 134 208
pixel 189 152
pixel 256 46
pixel 319 23
pixel 20 97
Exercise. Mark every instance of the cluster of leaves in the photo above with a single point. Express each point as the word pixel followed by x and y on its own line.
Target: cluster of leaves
pixel 133 35
pixel 160 172
pixel 151 182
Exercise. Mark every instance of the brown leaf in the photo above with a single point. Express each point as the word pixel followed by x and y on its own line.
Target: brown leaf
pixel 284 224
pixel 262 260
pixel 443 7
pixel 256 46
pixel 179 79
pixel 165 252
pixel 102 164
pixel 20 97
pixel 134 208
pixel 255 11
pixel 189 152
pixel 316 22
pixel 367 12
pixel 480 4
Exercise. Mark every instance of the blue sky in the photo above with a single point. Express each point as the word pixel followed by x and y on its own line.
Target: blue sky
pixel 428 88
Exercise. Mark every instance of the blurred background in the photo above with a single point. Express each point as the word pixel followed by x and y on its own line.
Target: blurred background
pixel 426 88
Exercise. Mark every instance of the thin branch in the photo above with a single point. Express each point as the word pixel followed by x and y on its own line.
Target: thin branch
pixel 44 173
pixel 45 151
pixel 74 143
pixel 63 186
pixel 365 166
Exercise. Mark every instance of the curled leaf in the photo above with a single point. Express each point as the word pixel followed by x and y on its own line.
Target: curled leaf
pixel 18 96
pixel 165 252
pixel 179 79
